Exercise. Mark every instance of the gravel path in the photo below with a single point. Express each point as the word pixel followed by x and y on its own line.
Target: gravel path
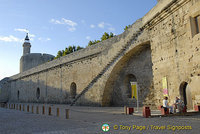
pixel 88 120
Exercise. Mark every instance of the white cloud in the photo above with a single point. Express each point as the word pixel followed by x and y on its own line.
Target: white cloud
pixel 71 24
pixel 10 38
pixel 44 39
pixel 101 25
pixel 83 21
pixel 48 39
pixel 92 26
pixel 56 21
pixel 25 31
pixel 111 29
pixel 106 25
pixel 31 35
pixel 21 30
pixel 88 37
pixel 71 29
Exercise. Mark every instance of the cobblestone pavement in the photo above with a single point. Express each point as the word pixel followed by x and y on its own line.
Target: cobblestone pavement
pixel 88 120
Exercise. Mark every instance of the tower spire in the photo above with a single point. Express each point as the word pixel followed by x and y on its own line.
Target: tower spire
pixel 26 38
pixel 26 45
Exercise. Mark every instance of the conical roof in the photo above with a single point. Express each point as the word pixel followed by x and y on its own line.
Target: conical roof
pixel 27 38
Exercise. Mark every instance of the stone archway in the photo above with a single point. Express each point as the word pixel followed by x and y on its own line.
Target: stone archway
pixel 185 94
pixel 137 63
pixel 182 90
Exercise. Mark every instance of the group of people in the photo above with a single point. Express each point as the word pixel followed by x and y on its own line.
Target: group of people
pixel 178 104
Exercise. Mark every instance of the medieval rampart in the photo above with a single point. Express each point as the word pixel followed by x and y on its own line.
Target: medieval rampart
pixel 163 44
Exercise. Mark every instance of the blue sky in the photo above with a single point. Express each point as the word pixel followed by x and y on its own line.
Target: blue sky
pixel 56 24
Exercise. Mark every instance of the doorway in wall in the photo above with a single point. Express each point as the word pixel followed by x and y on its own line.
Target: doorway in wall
pixel 73 90
pixel 183 95
pixel 130 78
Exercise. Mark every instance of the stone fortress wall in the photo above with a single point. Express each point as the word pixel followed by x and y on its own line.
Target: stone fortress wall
pixel 4 87
pixel 161 44
pixel 175 51
pixel 31 60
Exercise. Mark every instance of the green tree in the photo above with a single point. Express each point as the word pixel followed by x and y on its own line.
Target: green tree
pixel 74 48
pixel 111 35
pixel 62 52
pixel 59 54
pixel 90 43
pixel 96 41
pixel 70 48
pixel 105 36
pixel 66 51
pixel 127 27
pixel 79 48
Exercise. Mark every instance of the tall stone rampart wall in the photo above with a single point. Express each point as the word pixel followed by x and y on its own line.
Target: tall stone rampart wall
pixel 4 90
pixel 175 51
pixel 168 28
pixel 165 35
pixel 54 78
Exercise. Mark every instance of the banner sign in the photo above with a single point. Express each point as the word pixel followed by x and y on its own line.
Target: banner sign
pixel 134 90
pixel 164 84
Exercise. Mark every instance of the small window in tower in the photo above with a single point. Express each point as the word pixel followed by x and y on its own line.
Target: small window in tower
pixel 197 24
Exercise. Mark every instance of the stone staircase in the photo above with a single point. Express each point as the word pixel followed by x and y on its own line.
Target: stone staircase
pixel 117 56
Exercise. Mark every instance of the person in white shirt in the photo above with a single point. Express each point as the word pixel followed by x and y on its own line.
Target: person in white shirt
pixel 166 105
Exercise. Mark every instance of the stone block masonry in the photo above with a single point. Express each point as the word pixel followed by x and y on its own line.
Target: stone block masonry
pixel 162 44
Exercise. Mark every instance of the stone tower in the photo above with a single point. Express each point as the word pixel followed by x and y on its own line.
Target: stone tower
pixel 26 45
pixel 30 60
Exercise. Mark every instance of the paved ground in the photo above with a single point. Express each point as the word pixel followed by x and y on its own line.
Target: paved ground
pixel 88 120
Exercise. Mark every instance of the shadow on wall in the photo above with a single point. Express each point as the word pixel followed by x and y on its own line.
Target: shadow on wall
pixel 83 101
pixel 135 66
pixel 32 92
pixel 3 90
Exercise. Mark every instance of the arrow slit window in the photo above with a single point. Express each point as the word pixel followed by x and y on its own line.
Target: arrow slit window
pixel 197 24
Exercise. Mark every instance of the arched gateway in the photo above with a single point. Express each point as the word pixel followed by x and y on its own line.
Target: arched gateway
pixel 185 94
pixel 135 66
